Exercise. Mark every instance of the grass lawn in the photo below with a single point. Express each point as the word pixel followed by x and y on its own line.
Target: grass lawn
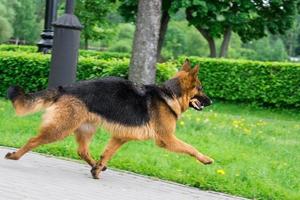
pixel 256 151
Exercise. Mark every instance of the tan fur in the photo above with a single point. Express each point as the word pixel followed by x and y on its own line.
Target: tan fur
pixel 83 138
pixel 69 114
pixel 130 133
pixel 23 108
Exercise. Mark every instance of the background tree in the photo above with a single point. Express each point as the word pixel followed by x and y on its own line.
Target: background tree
pixel 124 38
pixel 144 54
pixel 92 14
pixel 250 19
pixel 182 39
pixel 7 16
pixel 27 25
pixel 128 9
pixel 290 39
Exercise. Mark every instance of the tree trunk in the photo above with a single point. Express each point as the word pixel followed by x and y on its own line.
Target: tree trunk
pixel 144 55
pixel 86 43
pixel 162 32
pixel 225 43
pixel 210 40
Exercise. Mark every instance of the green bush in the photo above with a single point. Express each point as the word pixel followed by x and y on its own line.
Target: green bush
pixel 30 70
pixel 102 55
pixel 21 48
pixel 269 83
pixel 83 53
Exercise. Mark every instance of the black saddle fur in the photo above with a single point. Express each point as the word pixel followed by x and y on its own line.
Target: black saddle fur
pixel 119 100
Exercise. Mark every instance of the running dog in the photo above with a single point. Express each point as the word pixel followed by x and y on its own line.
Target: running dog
pixel 128 111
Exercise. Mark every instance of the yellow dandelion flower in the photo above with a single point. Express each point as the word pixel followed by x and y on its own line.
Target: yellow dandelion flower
pixel 206 121
pixel 181 123
pixel 261 123
pixel 247 131
pixel 237 123
pixel 221 172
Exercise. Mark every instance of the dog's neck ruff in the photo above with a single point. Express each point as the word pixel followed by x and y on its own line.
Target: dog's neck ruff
pixel 173 85
pixel 172 93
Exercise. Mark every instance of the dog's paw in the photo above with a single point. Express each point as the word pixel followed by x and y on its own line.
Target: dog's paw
pixel 11 156
pixel 209 161
pixel 104 168
pixel 206 160
pixel 95 171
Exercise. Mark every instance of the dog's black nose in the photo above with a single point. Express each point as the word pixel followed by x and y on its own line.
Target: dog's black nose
pixel 205 101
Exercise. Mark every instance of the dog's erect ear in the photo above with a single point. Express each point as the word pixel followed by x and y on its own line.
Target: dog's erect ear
pixel 194 72
pixel 186 65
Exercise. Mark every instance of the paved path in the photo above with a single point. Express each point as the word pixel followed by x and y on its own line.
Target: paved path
pixel 41 177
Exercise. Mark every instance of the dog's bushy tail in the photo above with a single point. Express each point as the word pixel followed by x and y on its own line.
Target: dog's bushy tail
pixel 32 102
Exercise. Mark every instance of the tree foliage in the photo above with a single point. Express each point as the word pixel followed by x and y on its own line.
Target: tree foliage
pixel 291 39
pixel 182 39
pixel 92 15
pixel 128 9
pixel 250 19
pixel 27 25
pixel 270 48
pixel 7 16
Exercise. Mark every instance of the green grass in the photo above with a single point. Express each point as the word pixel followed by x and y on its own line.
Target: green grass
pixel 258 149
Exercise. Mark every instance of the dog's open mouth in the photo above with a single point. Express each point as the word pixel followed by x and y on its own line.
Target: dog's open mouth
pixel 199 102
pixel 196 104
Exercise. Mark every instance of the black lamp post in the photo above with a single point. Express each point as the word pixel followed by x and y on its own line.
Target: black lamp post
pixel 65 48
pixel 45 44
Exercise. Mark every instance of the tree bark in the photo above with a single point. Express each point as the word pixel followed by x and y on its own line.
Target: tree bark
pixel 225 42
pixel 144 55
pixel 210 40
pixel 162 32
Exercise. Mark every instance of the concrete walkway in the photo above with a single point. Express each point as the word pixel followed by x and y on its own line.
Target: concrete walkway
pixel 41 177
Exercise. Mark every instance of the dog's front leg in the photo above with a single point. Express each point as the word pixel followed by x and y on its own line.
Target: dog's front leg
pixel 113 145
pixel 174 144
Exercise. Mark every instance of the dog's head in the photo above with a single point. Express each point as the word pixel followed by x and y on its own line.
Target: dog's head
pixel 191 89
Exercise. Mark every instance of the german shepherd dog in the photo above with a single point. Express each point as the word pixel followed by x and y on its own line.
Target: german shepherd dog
pixel 127 110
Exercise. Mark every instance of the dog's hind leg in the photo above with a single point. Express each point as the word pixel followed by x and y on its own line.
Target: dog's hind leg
pixel 113 145
pixel 172 143
pixel 60 120
pixel 83 137
pixel 47 135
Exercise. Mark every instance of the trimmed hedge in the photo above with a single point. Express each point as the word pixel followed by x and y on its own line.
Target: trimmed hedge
pixel 19 48
pixel 102 54
pixel 30 70
pixel 268 83
pixel 83 53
